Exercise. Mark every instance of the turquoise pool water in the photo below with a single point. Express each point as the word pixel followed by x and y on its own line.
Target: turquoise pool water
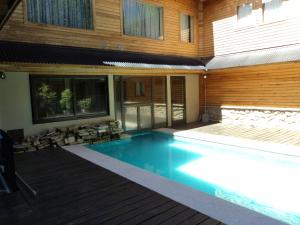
pixel 265 182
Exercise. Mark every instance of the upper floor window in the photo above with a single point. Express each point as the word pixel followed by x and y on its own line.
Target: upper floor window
pixel 68 13
pixel 186 22
pixel 273 10
pixel 141 19
pixel 245 15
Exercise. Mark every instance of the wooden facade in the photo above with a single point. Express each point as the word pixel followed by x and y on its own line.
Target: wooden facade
pixel 274 85
pixel 108 30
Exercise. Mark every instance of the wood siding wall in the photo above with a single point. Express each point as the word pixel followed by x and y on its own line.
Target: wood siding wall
pixel 108 31
pixel 276 85
pixel 221 35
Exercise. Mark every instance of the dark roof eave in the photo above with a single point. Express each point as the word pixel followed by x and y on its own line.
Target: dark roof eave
pixel 282 54
pixel 53 54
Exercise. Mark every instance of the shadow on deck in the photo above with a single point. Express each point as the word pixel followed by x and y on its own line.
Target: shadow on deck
pixel 74 191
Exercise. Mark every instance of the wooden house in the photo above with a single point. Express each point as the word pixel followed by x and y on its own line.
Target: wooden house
pixel 149 63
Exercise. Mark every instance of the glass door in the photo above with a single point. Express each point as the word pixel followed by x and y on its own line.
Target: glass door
pixel 178 100
pixel 141 102
pixel 159 100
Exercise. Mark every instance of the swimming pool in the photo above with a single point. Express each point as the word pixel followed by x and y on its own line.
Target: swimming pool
pixel 264 182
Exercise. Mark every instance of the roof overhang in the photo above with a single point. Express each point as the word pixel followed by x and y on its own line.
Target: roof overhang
pixel 282 54
pixel 154 66
pixel 69 69
pixel 15 55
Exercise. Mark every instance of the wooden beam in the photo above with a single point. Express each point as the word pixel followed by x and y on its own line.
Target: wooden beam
pixel 251 68
pixel 61 69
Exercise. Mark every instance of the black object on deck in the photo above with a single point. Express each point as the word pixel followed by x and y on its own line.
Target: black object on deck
pixel 7 162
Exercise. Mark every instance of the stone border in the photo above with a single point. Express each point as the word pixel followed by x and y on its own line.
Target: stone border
pixel 260 108
pixel 217 208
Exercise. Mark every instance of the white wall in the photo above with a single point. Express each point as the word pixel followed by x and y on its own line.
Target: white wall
pixel 192 98
pixel 229 38
pixel 16 106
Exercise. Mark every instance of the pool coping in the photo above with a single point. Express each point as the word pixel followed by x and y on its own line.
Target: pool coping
pixel 219 209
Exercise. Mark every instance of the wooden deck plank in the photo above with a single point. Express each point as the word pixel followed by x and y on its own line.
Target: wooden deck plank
pixel 131 210
pixel 88 206
pixel 149 214
pixel 165 216
pixel 109 212
pixel 268 135
pixel 74 191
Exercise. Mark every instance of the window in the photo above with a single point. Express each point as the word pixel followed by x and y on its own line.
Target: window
pixel 65 98
pixel 89 96
pixel 139 89
pixel 245 15
pixel 186 28
pixel 272 10
pixel 140 19
pixel 68 13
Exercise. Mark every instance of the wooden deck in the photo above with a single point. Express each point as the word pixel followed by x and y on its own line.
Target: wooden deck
pixel 74 191
pixel 265 135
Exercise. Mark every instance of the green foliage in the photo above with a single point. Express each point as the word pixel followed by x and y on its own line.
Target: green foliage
pixel 45 93
pixel 65 101
pixel 47 97
pixel 85 103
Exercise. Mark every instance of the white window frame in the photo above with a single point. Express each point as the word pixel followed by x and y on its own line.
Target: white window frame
pixel 274 16
pixel 191 31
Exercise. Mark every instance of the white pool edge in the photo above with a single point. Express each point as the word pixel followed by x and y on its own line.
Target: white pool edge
pixel 217 208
